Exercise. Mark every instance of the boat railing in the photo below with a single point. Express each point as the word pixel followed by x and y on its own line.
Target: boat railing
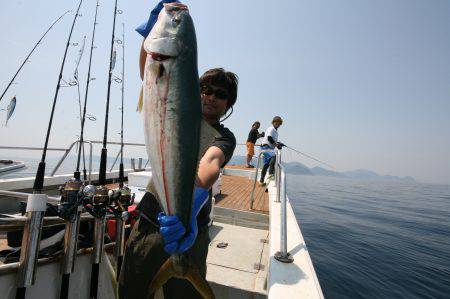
pixel 66 153
pixel 280 179
pixel 252 195
pixel 281 197
pixel 69 149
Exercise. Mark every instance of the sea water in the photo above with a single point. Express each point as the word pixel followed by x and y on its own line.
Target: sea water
pixel 373 239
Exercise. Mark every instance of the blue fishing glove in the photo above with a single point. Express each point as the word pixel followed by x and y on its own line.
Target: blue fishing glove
pixel 172 230
pixel 145 28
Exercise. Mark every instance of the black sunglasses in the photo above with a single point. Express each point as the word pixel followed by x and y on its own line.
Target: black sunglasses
pixel 219 93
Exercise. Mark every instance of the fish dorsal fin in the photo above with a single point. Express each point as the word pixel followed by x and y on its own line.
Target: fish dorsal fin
pixel 140 101
pixel 207 136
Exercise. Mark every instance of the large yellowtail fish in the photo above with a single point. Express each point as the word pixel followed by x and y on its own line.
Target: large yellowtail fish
pixel 175 133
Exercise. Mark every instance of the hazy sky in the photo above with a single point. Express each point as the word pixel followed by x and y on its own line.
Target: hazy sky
pixel 359 83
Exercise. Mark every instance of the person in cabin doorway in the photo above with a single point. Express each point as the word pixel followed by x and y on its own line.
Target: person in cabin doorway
pixel 253 135
pixel 155 236
pixel 269 143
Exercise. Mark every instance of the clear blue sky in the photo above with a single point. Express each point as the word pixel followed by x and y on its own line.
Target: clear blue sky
pixel 360 84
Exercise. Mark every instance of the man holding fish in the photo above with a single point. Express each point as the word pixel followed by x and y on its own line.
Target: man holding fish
pixel 187 147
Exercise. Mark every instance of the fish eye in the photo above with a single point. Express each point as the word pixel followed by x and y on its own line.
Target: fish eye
pixel 176 21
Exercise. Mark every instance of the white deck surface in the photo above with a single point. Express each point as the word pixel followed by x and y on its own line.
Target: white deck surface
pixel 231 270
pixel 297 279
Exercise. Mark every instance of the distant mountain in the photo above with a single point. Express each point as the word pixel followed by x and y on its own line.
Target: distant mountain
pixel 325 172
pixel 297 168
pixel 371 175
pixel 359 174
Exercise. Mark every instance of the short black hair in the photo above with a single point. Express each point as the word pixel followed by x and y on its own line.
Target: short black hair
pixel 256 123
pixel 222 78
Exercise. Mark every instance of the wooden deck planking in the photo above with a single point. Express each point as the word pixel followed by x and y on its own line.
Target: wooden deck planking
pixel 236 195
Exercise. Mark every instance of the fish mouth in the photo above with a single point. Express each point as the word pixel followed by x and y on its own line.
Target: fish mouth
pixel 159 57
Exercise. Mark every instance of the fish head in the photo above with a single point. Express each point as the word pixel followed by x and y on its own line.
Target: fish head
pixel 173 35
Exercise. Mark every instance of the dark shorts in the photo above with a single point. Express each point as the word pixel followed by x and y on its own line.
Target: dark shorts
pixel 144 255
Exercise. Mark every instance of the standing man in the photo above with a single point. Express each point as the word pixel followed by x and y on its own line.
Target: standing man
pixel 155 236
pixel 253 135
pixel 269 143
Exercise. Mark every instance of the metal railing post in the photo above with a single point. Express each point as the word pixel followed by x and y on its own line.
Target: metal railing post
pixel 277 173
pixel 115 160
pixel 254 182
pixel 283 255
pixel 63 158
pixel 256 178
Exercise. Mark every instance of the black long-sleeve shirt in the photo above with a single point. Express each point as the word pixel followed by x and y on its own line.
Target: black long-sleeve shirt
pixel 253 135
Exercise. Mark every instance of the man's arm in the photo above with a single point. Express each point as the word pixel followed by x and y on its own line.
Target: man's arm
pixel 209 167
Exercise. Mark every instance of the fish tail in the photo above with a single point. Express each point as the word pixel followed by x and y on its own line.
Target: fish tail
pixel 169 270
pixel 140 101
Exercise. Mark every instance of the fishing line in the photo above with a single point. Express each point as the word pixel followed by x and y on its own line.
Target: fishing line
pixel 31 52
pixel 309 156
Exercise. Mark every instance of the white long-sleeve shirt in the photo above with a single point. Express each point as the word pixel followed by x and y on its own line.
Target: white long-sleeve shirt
pixel 271 131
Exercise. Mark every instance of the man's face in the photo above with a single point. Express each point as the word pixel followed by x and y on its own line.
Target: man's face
pixel 276 124
pixel 257 126
pixel 214 101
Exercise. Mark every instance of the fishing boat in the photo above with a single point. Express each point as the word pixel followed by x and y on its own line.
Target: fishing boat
pixel 7 166
pixel 257 249
pixel 63 237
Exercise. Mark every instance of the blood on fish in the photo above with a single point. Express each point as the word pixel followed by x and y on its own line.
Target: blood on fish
pixel 159 57
pixel 162 139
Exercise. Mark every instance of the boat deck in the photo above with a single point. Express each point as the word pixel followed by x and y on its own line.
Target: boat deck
pixel 235 195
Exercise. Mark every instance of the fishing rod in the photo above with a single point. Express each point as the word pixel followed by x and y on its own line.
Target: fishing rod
pixel 83 117
pixel 71 197
pixel 36 204
pixel 31 52
pixel 121 176
pixel 101 204
pixel 126 199
pixel 308 156
pixel 77 81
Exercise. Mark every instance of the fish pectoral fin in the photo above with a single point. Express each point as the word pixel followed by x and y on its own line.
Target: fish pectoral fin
pixel 199 283
pixel 207 136
pixel 140 104
pixel 168 270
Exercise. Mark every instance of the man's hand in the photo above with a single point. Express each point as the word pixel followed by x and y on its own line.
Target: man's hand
pixel 172 230
pixel 280 145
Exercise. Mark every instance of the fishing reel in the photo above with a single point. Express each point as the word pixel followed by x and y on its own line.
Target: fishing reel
pixel 95 200
pixel 121 199
pixel 70 199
